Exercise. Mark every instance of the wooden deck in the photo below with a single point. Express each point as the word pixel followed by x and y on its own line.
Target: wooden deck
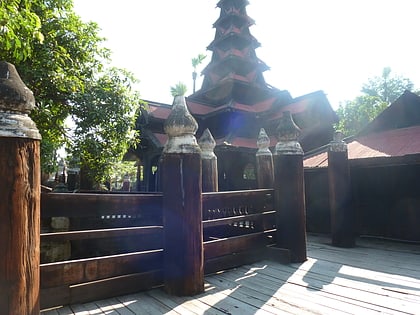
pixel 376 277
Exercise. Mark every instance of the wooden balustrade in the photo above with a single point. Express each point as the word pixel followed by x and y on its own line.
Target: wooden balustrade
pixel 90 278
pixel 123 243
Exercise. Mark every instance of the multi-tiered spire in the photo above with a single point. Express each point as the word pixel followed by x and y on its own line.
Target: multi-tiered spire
pixel 234 73
pixel 234 102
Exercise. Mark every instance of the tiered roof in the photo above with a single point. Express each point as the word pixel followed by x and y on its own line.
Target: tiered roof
pixel 234 101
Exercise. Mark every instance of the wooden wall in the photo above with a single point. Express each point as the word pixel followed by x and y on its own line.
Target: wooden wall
pixel 386 200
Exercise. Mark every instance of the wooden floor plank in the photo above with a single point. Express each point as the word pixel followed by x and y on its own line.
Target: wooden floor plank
pixel 50 312
pixel 362 279
pixel 113 306
pixel 346 293
pixel 375 277
pixel 367 259
pixel 189 305
pixel 257 296
pixel 220 300
pixel 295 299
pixel 141 303
pixel 65 311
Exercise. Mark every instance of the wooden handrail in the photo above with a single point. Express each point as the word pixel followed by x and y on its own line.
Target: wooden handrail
pixel 88 205
pixel 100 233
pixel 233 219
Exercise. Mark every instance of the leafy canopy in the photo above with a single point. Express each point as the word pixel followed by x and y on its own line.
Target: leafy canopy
pixel 378 93
pixel 64 62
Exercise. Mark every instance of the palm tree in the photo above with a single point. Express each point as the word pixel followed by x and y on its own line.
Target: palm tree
pixel 195 63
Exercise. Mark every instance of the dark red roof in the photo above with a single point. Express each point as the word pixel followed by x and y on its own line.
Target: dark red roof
pixel 160 138
pixel 162 112
pixel 390 143
pixel 242 142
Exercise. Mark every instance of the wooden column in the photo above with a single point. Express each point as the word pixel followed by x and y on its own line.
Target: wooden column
pixel 289 194
pixel 182 204
pixel 264 157
pixel 342 214
pixel 20 188
pixel 209 162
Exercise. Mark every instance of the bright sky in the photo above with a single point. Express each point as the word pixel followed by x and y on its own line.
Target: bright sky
pixel 329 45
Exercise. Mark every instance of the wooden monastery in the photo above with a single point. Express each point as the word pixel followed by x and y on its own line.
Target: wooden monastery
pixel 234 102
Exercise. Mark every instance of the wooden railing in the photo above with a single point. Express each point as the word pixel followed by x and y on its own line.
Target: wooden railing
pixel 117 240
pixel 117 244
pixel 237 227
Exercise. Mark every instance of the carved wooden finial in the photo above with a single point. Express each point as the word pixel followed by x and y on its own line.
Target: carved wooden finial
pixel 263 143
pixel 181 128
pixel 16 101
pixel 288 134
pixel 338 144
pixel 207 145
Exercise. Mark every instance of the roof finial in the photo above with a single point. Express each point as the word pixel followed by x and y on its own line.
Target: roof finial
pixel 181 128
pixel 263 143
pixel 288 134
pixel 16 102
pixel 338 144
pixel 207 145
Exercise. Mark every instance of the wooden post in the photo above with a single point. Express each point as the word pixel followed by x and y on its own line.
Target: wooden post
pixel 264 161
pixel 209 161
pixel 289 194
pixel 342 215
pixel 20 189
pixel 182 204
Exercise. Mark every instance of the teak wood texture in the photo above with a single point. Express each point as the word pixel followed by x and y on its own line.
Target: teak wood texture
pixel 375 277
pixel 19 226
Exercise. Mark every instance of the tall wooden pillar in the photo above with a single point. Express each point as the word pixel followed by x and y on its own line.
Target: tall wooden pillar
pixel 342 214
pixel 289 193
pixel 264 157
pixel 182 204
pixel 20 189
pixel 209 162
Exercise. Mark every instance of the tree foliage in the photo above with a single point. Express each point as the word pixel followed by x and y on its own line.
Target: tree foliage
pixel 356 114
pixel 378 93
pixel 387 87
pixel 105 120
pixel 64 62
pixel 19 28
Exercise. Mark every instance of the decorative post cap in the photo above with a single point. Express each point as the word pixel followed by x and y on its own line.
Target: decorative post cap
pixel 207 145
pixel 263 143
pixel 180 127
pixel 288 134
pixel 16 102
pixel 338 144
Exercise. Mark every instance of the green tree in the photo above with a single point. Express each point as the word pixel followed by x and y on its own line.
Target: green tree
pixel 378 93
pixel 356 114
pixel 63 60
pixel 105 124
pixel 387 87
pixel 19 27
